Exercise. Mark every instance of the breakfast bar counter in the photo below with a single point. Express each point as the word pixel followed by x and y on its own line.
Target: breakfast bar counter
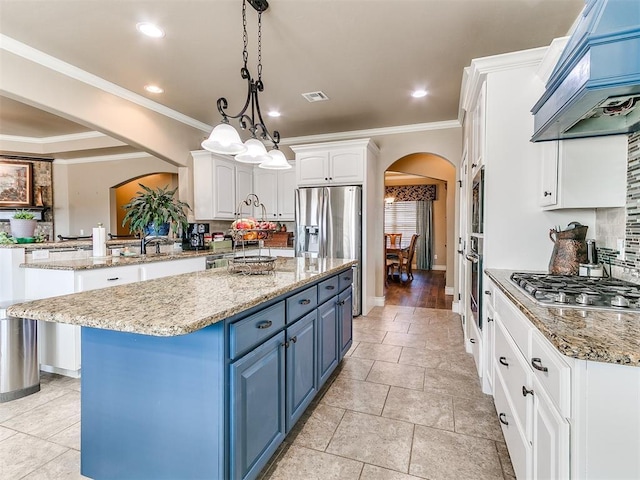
pixel 202 375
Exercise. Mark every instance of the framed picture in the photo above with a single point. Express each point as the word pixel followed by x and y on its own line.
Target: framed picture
pixel 16 184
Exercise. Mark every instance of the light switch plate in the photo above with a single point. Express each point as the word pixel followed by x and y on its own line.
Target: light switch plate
pixel 620 248
pixel 40 254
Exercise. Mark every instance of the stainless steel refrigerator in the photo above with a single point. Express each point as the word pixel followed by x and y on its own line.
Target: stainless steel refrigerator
pixel 329 225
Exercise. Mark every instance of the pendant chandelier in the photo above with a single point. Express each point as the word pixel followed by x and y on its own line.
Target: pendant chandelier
pixel 224 138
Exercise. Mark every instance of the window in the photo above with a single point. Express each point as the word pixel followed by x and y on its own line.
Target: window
pixel 400 217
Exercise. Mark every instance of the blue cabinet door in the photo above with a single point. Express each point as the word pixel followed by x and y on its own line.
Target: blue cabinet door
pixel 257 414
pixel 345 321
pixel 302 382
pixel 327 339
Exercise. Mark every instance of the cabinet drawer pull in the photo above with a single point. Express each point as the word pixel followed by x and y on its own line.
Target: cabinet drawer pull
pixel 265 324
pixel 472 340
pixel 487 292
pixel 502 418
pixel 340 303
pixel 347 279
pixel 503 361
pixel 306 301
pixel 489 319
pixel 537 364
pixel 112 279
pixel 526 392
pixel 330 287
pixel 294 339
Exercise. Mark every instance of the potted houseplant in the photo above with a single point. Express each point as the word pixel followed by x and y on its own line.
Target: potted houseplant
pixel 153 211
pixel 23 224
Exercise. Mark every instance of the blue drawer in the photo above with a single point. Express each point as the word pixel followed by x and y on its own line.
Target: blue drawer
pixel 301 303
pixel 327 289
pixel 346 279
pixel 253 330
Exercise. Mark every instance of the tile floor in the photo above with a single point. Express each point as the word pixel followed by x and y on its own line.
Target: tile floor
pixel 404 404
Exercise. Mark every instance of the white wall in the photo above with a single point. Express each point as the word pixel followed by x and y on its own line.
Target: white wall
pixel 82 189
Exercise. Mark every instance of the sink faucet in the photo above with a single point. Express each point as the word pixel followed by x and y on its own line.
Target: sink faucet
pixel 144 243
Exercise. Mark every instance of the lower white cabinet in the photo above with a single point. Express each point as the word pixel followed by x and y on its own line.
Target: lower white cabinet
pixel 59 344
pixel 562 418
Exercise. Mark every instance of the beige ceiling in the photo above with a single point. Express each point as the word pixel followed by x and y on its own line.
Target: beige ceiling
pixel 366 55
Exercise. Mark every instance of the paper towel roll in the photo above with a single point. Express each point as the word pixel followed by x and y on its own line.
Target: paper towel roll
pixel 99 239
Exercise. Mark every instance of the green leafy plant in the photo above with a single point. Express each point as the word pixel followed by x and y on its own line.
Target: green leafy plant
pixel 155 207
pixel 6 238
pixel 24 215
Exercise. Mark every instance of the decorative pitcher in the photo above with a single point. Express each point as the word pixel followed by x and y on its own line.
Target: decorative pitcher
pixel 569 249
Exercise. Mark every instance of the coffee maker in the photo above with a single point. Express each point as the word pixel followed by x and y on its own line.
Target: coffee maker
pixel 193 237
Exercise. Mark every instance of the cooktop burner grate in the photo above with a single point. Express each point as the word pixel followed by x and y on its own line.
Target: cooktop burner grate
pixel 579 292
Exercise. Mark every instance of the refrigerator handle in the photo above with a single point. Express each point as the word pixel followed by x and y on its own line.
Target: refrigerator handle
pixel 322 251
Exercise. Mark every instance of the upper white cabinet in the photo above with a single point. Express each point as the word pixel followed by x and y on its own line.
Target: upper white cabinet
pixel 219 185
pixel 276 190
pixel 478 131
pixel 584 173
pixel 332 163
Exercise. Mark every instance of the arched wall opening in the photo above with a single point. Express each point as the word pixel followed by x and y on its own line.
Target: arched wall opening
pixel 125 191
pixel 425 167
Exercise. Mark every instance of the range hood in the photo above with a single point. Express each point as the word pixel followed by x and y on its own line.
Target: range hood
pixel 594 88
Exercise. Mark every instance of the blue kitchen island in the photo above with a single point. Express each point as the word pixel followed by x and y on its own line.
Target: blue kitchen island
pixel 202 375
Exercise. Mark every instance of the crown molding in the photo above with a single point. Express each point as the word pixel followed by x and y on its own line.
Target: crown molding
pixel 72 137
pixel 475 74
pixel 103 158
pixel 373 132
pixel 25 51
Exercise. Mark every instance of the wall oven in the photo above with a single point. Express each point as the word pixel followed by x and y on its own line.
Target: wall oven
pixel 475 292
pixel 477 201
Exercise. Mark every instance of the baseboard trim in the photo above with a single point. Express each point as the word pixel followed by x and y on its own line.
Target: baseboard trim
pixel 455 307
pixel 438 267
pixel 448 290
pixel 60 371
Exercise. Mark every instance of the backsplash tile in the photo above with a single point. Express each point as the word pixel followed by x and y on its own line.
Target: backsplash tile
pixel 615 223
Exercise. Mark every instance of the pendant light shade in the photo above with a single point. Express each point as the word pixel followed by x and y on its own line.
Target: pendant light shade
pixel 256 153
pixel 224 139
pixel 277 161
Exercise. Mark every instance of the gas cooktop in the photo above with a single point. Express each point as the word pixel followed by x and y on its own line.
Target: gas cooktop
pixel 579 292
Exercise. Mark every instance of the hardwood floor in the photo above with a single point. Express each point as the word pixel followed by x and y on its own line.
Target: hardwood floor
pixel 426 290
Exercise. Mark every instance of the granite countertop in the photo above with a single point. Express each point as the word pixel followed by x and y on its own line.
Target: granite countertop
pixel 601 336
pixel 177 305
pixel 90 263
pixel 67 244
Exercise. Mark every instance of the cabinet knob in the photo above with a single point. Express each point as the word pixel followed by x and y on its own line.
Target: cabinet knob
pixel 489 319
pixel 526 392
pixel 503 361
pixel 326 178
pixel 546 194
pixel 537 364
pixel 503 419
pixel 487 292
pixel 472 340
pixel 295 339
pixel 474 165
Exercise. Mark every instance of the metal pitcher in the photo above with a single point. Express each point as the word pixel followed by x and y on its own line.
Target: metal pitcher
pixel 569 249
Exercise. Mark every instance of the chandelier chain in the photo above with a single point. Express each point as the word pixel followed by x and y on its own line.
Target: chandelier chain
pixel 259 46
pixel 245 37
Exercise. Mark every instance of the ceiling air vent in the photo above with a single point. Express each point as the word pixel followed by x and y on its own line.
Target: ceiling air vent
pixel 315 96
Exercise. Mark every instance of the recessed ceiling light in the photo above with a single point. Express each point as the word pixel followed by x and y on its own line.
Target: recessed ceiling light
pixel 273 113
pixel 153 89
pixel 150 30
pixel 419 93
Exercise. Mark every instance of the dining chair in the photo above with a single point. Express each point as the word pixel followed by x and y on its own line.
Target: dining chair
pixel 405 260
pixel 395 239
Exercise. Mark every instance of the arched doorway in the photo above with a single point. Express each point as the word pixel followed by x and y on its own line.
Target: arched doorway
pixel 430 169
pixel 125 191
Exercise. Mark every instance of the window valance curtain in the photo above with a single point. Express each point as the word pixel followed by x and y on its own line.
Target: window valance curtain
pixel 410 193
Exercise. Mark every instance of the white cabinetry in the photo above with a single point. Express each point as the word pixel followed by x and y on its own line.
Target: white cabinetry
pixel 478 131
pixel 532 396
pixel 58 343
pixel 276 191
pixel 333 163
pixel 583 173
pixel 219 184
